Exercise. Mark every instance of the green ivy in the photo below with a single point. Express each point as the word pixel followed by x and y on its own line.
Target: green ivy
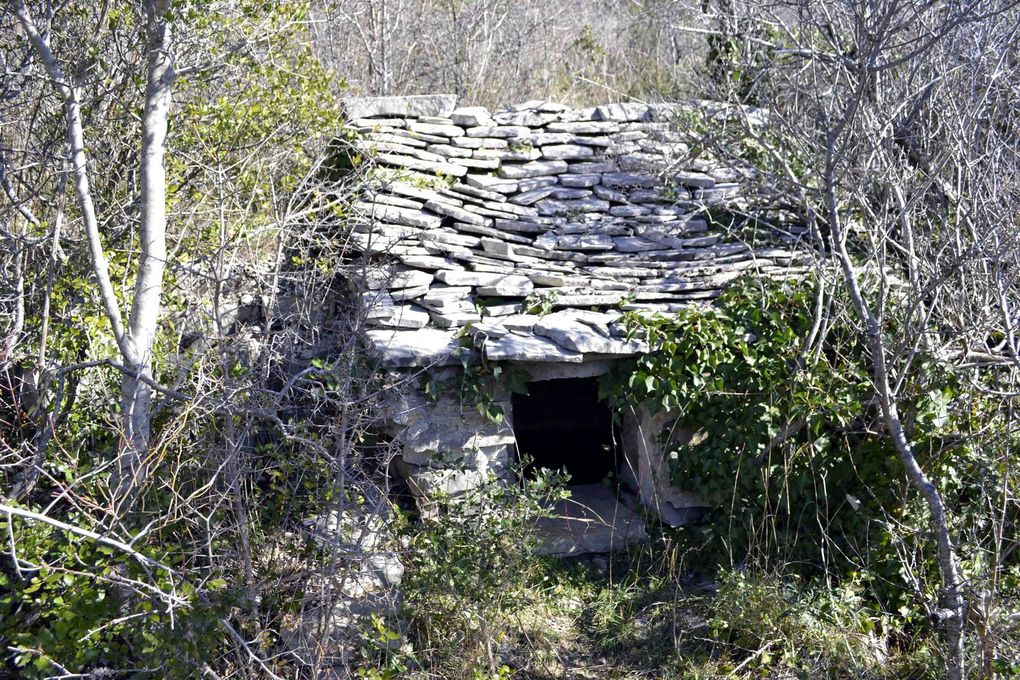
pixel 781 441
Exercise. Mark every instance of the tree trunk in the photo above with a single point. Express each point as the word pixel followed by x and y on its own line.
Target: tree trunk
pixel 135 342
pixel 953 600
pixel 136 387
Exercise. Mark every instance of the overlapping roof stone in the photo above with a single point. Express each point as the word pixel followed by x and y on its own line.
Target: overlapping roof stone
pixel 471 221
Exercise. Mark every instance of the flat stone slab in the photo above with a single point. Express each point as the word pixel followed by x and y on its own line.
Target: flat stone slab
pixel 513 347
pixel 588 208
pixel 592 520
pixel 625 112
pixel 411 106
pixel 566 330
pixel 421 347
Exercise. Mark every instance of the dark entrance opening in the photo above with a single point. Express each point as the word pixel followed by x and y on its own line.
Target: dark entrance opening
pixel 562 425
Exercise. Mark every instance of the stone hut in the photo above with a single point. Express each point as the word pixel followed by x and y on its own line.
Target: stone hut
pixel 520 237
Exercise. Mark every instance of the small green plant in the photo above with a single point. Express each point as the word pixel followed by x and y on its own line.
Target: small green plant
pixel 540 302
pixel 471 568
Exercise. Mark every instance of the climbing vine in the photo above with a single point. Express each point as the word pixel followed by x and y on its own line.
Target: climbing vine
pixel 778 434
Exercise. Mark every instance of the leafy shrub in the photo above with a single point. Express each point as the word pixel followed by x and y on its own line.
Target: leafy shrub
pixel 471 567
pixel 763 621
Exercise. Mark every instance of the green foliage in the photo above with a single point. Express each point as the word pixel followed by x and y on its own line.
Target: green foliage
pixel 784 441
pixel 471 568
pixel 479 383
pixel 828 633
pixel 770 435
pixel 67 606
pixel 539 302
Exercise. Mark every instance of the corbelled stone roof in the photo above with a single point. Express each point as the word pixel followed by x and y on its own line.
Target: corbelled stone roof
pixel 472 221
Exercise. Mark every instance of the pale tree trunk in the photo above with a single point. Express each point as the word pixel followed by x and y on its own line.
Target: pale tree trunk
pixel 135 341
pixel 136 388
pixel 954 604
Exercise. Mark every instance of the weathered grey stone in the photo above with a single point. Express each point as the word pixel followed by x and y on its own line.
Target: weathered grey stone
pixel 695 179
pixel 423 137
pixel 457 213
pixel 465 278
pixel 535 183
pixel 603 141
pixel 580 181
pixel 584 127
pixel 636 244
pixel 530 197
pixel 628 136
pixel 628 210
pixel 375 148
pixel 543 138
pixel 497 247
pixel 625 112
pixel 448 299
pixel 565 330
pixel 523 118
pixel 411 106
pixel 656 196
pixel 423 347
pixel 392 138
pixel 533 169
pixel 479 142
pixel 520 227
pixel 449 151
pixel 504 155
pixel 647 470
pixel 487 328
pixel 521 323
pixel 540 105
pixel 440 130
pixel 409 162
pixel 489 231
pixel 421 195
pixel 425 482
pixel 450 237
pixel 567 152
pixel 501 185
pixel 592 520
pixel 617 150
pixel 454 318
pixel 589 299
pixel 402 216
pixel 622 179
pixel 403 316
pixel 499 132
pixel 584 242
pixel 564 194
pixel 391 277
pixel 379 123
pixel 590 167
pixel 507 286
pixel 427 262
pixel 549 206
pixel 514 347
pixel 479 163
pixel 471 116
pixel 396 201
pixel 465 192
pixel 608 194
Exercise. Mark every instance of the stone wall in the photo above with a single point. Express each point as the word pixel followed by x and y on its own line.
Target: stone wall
pixel 522 236
pixel 473 219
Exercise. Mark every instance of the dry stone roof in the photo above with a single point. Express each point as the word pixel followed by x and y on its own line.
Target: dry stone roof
pixel 471 219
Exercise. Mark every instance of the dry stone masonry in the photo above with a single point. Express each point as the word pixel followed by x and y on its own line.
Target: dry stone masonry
pixel 524 235
pixel 474 220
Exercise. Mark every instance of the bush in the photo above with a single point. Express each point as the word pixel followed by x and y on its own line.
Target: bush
pixel 471 567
